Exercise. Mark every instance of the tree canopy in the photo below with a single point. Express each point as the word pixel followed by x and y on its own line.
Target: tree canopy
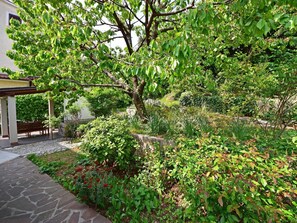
pixel 69 44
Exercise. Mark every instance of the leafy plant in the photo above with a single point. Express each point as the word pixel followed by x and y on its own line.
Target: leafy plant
pixel 36 107
pixel 158 125
pixel 109 140
pixel 243 185
pixel 105 101
pixel 49 168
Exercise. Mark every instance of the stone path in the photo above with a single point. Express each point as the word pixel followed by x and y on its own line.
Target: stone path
pixel 42 147
pixel 26 196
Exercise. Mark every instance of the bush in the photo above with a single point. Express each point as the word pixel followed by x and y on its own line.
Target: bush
pixel 241 105
pixel 108 139
pixel 34 107
pixel 186 98
pixel 105 101
pixel 158 125
pixel 222 184
pixel 214 103
pixel 98 186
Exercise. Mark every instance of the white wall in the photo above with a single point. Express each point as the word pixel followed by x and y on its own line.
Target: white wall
pixel 5 42
pixel 85 112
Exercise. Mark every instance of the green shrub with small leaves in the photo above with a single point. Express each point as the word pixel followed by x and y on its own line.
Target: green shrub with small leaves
pixel 221 182
pixel 105 101
pixel 34 107
pixel 108 139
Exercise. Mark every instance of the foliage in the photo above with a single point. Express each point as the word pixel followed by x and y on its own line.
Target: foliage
pixel 108 140
pixel 158 125
pixel 85 56
pixel 49 168
pixel 105 101
pixel 34 107
pixel 52 122
pixel 31 107
pixel 70 129
pixel 221 182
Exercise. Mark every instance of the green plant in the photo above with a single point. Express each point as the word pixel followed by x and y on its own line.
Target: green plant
pixel 109 140
pixel 237 185
pixel 241 130
pixel 36 107
pixel 49 168
pixel 105 101
pixel 158 125
pixel 186 98
pixel 70 129
pixel 52 122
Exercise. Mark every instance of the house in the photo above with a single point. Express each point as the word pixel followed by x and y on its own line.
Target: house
pixel 7 12
pixel 10 88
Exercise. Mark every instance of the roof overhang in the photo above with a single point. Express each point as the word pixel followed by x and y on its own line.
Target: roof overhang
pixel 19 91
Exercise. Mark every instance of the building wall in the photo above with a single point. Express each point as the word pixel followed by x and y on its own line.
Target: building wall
pixel 85 113
pixel 5 43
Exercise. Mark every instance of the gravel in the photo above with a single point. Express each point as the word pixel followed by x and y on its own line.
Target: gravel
pixel 41 148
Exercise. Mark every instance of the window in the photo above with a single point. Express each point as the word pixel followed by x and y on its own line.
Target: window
pixel 12 16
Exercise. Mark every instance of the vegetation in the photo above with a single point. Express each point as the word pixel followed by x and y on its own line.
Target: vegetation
pixel 106 101
pixel 36 107
pixel 221 170
pixel 108 140
pixel 220 167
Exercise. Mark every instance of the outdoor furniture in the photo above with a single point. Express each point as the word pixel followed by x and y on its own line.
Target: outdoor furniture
pixel 28 127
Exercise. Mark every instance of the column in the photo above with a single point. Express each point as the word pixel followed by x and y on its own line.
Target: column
pixel 4 123
pixel 51 113
pixel 13 132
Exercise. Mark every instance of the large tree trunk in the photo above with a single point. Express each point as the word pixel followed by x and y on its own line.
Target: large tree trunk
pixel 140 107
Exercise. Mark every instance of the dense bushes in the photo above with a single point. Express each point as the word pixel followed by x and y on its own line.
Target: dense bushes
pixel 218 104
pixel 105 101
pixel 109 140
pixel 217 181
pixel 35 107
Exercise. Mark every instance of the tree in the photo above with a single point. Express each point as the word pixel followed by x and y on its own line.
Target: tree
pixel 69 44
pixel 244 48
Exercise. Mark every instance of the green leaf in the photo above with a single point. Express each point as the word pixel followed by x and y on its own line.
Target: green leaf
pixel 261 24
pixel 263 182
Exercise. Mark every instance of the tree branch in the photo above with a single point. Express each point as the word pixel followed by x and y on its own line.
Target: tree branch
pixel 124 32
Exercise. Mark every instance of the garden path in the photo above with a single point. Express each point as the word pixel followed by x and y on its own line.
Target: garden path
pixel 28 196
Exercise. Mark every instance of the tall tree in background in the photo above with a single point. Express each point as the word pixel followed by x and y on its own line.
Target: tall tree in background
pixel 70 44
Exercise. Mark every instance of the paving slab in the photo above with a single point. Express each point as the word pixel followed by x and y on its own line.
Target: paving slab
pixel 28 196
pixel 6 156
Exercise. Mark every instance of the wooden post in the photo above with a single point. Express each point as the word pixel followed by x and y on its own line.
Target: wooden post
pixel 50 115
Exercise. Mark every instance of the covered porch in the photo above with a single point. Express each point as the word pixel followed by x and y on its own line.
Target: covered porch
pixel 9 89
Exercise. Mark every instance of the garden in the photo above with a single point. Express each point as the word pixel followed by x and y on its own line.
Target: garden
pixel 211 86
pixel 214 168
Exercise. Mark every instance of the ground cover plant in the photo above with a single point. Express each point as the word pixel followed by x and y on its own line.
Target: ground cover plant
pixel 225 173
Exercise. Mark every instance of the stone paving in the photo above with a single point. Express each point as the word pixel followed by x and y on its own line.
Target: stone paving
pixel 42 147
pixel 26 196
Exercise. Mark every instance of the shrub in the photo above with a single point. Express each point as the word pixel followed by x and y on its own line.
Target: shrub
pixel 108 139
pixel 70 129
pixel 214 103
pixel 104 101
pixel 34 107
pixel 186 98
pixel 219 184
pixel 158 125
pixel 98 186
pixel 241 105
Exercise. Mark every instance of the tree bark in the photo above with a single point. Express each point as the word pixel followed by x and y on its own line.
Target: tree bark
pixel 140 107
